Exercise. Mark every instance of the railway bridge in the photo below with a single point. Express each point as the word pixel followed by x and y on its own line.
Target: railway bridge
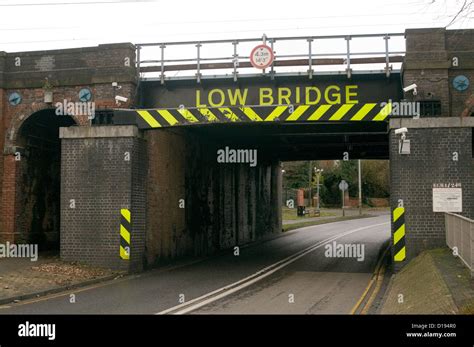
pixel 124 155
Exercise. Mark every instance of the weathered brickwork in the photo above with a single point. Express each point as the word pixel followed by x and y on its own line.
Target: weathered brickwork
pixel 68 71
pixel 434 57
pixel 97 181
pixel 412 178
pixel 197 206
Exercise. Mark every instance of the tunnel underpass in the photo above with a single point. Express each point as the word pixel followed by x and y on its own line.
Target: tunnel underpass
pixel 230 204
pixel 39 156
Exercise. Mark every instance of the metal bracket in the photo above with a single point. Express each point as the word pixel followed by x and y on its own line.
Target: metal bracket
pixel 388 68
pixel 198 63
pixel 138 63
pixel 162 75
pixel 310 59
pixel 235 60
pixel 348 58
pixel 272 67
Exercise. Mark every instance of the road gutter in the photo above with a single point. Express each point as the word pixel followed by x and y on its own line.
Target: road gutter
pixel 377 278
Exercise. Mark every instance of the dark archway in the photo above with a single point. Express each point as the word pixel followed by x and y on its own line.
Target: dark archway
pixel 39 178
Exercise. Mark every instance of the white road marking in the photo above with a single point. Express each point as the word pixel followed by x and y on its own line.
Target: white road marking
pixel 259 275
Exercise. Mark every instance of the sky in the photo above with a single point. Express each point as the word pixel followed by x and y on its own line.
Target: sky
pixel 28 25
pixel 50 24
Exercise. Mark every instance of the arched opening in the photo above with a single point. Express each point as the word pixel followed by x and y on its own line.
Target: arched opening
pixel 39 178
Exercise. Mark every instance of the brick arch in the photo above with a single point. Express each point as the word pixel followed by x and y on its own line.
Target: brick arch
pixel 30 209
pixel 19 118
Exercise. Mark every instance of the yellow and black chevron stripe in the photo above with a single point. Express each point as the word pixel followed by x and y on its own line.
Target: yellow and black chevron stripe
pixel 158 118
pixel 399 251
pixel 125 233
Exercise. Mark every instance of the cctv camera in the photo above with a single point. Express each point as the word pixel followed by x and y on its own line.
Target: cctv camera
pixel 119 98
pixel 116 85
pixel 401 131
pixel 411 87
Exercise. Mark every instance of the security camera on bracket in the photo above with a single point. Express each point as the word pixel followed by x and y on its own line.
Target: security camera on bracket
pixel 116 86
pixel 119 99
pixel 411 87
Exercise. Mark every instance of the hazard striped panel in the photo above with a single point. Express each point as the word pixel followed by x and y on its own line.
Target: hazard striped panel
pixel 158 118
pixel 399 251
pixel 125 233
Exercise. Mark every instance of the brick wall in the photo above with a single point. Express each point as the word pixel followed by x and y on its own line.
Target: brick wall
pixel 96 175
pixel 139 170
pixel 429 63
pixel 413 175
pixel 166 235
pixel 9 202
pixel 225 204
pixel 68 71
pixel 230 204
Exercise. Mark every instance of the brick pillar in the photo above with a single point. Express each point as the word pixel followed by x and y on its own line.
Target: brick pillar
pixel 103 170
pixel 433 142
pixel 347 200
pixel 9 202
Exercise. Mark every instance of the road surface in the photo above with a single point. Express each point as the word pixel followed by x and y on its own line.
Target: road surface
pixel 297 277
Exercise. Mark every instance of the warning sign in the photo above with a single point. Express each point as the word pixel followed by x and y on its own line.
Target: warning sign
pixel 261 57
pixel 447 199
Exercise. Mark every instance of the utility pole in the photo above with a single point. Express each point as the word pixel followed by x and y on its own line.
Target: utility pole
pixel 310 173
pixel 318 173
pixel 360 188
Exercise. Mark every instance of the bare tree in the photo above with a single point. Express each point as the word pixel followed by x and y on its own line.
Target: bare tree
pixel 465 11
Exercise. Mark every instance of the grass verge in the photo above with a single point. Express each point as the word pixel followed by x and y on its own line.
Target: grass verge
pixel 293 226
pixel 290 214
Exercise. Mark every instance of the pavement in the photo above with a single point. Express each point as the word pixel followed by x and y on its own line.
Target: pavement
pixel 21 278
pixel 435 282
pixel 318 284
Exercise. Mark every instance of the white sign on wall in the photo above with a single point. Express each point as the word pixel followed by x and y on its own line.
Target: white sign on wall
pixel 447 199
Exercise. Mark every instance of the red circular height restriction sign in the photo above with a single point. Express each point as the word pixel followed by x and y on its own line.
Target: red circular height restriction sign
pixel 261 57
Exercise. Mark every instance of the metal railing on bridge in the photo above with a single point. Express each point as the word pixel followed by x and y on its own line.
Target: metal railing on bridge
pixel 300 56
pixel 460 238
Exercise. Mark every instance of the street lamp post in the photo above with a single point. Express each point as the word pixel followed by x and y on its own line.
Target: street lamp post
pixel 310 202
pixel 360 188
pixel 318 173
pixel 284 185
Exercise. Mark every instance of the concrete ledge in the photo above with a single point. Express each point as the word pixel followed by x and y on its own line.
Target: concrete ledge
pixel 411 63
pixel 425 30
pixel 437 122
pixel 79 132
pixel 123 45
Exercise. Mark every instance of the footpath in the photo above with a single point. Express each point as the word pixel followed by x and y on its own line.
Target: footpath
pixel 21 278
pixel 435 282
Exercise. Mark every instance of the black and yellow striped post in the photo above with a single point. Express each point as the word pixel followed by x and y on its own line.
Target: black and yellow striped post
pixel 399 250
pixel 125 232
